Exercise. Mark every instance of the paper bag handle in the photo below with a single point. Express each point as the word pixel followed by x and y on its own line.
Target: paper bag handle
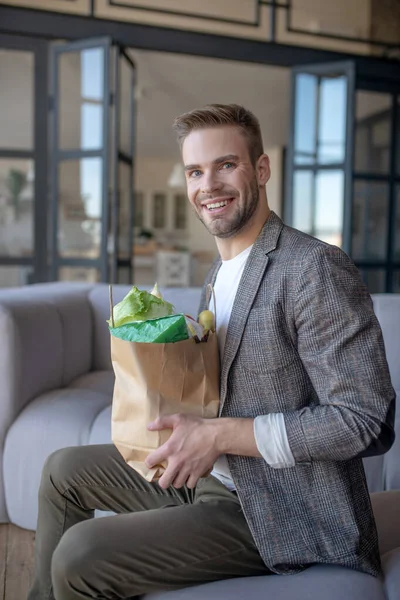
pixel 211 292
pixel 111 305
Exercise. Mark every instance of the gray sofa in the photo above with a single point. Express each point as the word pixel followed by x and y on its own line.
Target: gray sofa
pixel 56 384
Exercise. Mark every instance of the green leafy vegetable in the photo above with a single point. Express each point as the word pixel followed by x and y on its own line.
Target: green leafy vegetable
pixel 139 305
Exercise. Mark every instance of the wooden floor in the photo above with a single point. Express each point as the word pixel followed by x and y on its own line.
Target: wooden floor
pixel 16 562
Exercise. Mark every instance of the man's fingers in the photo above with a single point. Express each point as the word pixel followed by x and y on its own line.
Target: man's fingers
pixel 157 457
pixel 192 481
pixel 181 479
pixel 168 477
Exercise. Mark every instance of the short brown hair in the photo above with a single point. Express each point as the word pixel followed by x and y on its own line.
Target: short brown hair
pixel 214 115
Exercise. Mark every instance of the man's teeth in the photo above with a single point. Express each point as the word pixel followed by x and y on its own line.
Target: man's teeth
pixel 218 204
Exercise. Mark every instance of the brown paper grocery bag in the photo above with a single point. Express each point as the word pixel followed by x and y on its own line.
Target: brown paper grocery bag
pixel 159 379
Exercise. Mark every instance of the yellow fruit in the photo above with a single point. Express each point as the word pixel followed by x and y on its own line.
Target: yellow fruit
pixel 206 320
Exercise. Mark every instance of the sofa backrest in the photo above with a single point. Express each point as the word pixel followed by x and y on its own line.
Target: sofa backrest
pixel 383 472
pixel 185 300
pixel 45 333
pixel 387 309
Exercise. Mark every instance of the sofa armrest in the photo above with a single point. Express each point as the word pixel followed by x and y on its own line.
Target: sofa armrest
pixel 391 570
pixel 386 507
pixel 45 341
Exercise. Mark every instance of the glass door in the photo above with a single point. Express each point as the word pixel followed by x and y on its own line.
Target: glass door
pixel 80 150
pixel 92 161
pixel 319 184
pixel 23 155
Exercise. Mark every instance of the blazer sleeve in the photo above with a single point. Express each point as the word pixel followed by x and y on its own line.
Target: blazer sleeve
pixel 341 346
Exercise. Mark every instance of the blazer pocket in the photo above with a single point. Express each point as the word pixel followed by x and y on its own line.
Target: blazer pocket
pixel 266 345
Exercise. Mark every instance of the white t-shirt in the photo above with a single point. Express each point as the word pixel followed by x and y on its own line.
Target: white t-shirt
pixel 269 430
pixel 225 288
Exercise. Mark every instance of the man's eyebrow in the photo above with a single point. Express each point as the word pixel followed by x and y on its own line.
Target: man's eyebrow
pixel 216 161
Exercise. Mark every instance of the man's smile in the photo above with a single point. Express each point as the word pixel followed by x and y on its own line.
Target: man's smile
pixel 217 204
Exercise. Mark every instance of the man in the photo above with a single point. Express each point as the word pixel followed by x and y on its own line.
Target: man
pixel 305 393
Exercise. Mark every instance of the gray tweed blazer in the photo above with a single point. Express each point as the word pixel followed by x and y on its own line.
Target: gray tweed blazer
pixel 303 340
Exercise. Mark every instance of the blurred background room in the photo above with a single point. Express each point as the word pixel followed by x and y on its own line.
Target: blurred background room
pixel 91 182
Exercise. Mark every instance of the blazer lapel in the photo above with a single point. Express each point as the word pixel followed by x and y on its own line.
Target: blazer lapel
pixel 248 287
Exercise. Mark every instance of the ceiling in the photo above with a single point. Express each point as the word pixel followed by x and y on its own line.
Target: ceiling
pixel 171 84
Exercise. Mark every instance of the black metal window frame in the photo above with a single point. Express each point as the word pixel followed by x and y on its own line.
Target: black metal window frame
pixel 125 158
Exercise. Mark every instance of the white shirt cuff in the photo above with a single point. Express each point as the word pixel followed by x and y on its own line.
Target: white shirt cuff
pixel 272 442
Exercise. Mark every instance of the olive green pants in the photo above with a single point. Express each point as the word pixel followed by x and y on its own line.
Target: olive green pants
pixel 158 540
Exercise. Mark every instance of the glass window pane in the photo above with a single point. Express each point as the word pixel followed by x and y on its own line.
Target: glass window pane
pixel 91 126
pixel 16 99
pixel 83 274
pixel 15 276
pixel 303 201
pixel 180 220
pixel 396 246
pixel 80 207
pixel 305 119
pixel 329 206
pixel 81 91
pixel 126 116
pixel 372 132
pixel 159 211
pixel 375 280
pixel 92 73
pixel 125 178
pixel 332 120
pixel 370 220
pixel 17 183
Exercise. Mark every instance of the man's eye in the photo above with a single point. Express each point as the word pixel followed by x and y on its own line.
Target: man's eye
pixel 228 165
pixel 196 173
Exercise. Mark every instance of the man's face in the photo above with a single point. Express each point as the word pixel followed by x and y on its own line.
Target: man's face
pixel 221 180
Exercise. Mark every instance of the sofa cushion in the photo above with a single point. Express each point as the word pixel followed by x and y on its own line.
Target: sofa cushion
pixel 317 582
pixel 57 419
pixel 101 428
pixel 391 569
pixel 98 381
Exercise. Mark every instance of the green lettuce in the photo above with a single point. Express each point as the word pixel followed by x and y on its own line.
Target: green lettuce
pixel 139 305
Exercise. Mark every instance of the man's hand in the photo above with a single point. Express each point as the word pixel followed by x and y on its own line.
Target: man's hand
pixel 191 451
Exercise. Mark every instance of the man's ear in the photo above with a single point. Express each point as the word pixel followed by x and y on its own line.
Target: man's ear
pixel 263 169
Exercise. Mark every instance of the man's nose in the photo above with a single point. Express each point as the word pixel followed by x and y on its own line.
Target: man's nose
pixel 210 183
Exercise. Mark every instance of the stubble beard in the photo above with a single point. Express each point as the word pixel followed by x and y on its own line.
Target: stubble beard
pixel 226 228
